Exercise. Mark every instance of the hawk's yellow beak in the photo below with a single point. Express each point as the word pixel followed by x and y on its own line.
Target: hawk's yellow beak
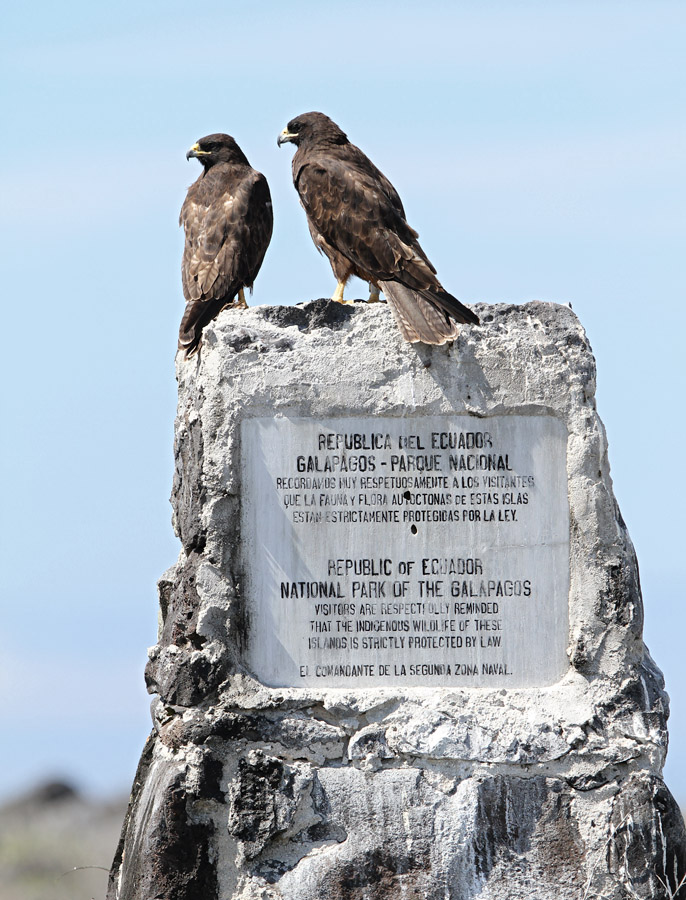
pixel 285 137
pixel 196 151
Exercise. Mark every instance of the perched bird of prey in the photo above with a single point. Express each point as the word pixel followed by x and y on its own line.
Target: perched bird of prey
pixel 227 218
pixel 356 218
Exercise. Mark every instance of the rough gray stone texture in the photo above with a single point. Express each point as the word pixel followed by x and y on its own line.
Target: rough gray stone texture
pixel 249 792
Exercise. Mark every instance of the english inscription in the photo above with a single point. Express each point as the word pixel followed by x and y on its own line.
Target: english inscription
pixel 428 551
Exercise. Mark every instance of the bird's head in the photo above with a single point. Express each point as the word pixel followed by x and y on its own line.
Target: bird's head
pixel 216 148
pixel 311 126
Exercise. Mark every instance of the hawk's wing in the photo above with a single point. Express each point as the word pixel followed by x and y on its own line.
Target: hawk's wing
pixel 228 225
pixel 354 157
pixel 349 204
pixel 227 218
pixel 350 208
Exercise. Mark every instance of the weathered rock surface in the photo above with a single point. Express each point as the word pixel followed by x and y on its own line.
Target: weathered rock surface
pixel 246 791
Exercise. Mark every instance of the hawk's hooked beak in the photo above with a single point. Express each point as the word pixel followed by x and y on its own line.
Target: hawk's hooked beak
pixel 196 151
pixel 285 137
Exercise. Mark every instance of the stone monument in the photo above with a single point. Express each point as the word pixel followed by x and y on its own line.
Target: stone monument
pixel 400 655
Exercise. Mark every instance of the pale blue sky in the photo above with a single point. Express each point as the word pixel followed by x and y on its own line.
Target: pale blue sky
pixel 552 142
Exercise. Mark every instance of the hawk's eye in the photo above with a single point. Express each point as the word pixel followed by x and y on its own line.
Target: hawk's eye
pixel 293 126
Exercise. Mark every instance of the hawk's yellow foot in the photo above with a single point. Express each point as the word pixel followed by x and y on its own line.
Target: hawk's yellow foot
pixel 240 302
pixel 338 295
pixel 373 294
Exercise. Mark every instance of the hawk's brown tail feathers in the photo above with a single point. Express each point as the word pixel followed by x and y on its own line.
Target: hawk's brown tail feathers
pixel 198 313
pixel 430 317
pixel 452 306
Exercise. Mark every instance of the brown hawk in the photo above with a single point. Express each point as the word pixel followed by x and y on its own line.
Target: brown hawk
pixel 356 218
pixel 227 219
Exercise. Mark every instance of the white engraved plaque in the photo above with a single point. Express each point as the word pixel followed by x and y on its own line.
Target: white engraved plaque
pixel 424 551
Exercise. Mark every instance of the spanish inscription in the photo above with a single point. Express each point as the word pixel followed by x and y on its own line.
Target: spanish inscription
pixel 427 551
